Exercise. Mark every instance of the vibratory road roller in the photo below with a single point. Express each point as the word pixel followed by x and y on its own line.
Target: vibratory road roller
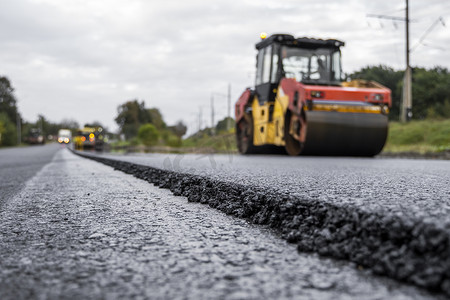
pixel 301 104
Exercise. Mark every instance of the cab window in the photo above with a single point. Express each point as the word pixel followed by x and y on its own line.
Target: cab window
pixel 267 62
pixel 259 67
pixel 274 75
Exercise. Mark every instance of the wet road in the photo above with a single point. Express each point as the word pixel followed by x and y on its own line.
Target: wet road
pixel 79 230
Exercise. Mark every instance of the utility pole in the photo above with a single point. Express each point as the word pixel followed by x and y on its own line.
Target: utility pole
pixel 229 106
pixel 212 115
pixel 407 89
pixel 406 104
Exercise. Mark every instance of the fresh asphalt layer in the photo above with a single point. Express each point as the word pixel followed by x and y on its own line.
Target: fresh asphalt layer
pixel 80 230
pixel 390 215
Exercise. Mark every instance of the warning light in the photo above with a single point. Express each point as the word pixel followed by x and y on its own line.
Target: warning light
pixel 91 136
pixel 263 35
pixel 83 138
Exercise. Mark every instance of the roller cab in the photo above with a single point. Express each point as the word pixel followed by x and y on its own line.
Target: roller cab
pixel 300 104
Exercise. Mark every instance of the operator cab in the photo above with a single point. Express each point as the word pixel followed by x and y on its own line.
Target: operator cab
pixel 309 61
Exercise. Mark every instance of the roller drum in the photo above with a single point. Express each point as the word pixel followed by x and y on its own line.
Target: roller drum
pixel 349 134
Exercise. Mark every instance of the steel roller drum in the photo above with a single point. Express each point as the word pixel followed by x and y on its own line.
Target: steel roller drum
pixel 349 134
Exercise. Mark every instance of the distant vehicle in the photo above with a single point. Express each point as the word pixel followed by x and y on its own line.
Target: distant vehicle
pixel 35 137
pixel 89 138
pixel 64 136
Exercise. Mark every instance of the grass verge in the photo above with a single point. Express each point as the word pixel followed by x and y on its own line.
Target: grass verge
pixel 424 136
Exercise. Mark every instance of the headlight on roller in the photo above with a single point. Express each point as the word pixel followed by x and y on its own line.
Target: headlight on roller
pixel 317 94
pixel 377 97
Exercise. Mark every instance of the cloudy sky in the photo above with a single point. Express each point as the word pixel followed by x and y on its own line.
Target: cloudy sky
pixel 81 59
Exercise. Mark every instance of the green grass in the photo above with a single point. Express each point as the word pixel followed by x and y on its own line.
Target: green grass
pixel 419 136
pixel 427 136
pixel 220 142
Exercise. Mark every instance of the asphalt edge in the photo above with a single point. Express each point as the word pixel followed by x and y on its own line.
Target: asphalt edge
pixel 413 251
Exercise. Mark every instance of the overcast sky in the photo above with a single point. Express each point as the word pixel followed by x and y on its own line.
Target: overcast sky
pixel 81 59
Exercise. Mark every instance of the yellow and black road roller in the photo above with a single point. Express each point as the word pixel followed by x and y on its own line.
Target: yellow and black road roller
pixel 302 105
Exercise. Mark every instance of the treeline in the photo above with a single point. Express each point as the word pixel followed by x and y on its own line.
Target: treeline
pixel 141 125
pixel 9 115
pixel 11 120
pixel 46 128
pixel 430 90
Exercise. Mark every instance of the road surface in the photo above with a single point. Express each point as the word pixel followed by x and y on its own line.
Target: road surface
pixel 17 165
pixel 77 229
pixel 390 215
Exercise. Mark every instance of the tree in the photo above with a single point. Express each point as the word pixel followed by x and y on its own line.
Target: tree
pixel 173 134
pixel 45 126
pixel 95 124
pixel 148 134
pixel 178 129
pixel 431 92
pixel 132 114
pixel 8 132
pixel 69 123
pixel 130 117
pixel 156 118
pixel 9 114
pixel 223 124
pixel 8 102
pixel 2 129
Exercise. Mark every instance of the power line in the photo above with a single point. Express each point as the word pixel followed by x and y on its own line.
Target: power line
pixel 424 35
pixel 386 17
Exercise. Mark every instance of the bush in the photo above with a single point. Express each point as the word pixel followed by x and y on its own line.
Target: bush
pixel 173 141
pixel 8 132
pixel 134 141
pixel 148 134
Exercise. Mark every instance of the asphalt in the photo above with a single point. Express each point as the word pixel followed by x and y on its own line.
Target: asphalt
pixel 80 230
pixel 389 215
pixel 17 165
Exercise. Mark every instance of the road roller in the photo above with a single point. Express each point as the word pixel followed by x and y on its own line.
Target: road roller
pixel 302 105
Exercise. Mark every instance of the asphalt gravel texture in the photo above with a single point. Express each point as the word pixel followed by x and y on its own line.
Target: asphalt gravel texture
pixel 389 215
pixel 80 230
pixel 17 165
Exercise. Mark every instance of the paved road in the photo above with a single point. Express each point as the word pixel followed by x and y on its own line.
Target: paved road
pixel 79 230
pixel 390 215
pixel 17 165
pixel 400 186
